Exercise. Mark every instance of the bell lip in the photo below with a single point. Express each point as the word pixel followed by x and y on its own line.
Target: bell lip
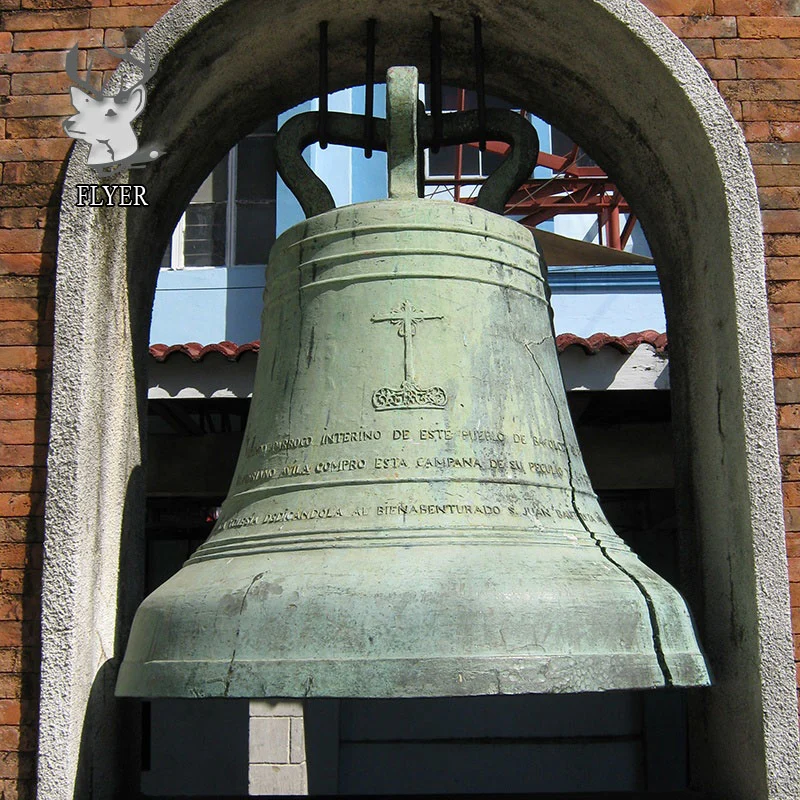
pixel 409 677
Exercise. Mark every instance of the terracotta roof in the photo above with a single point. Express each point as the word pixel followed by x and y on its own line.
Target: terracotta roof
pixel 625 344
pixel 591 345
pixel 197 351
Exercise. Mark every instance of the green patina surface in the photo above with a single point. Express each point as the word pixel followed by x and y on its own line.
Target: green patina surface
pixel 410 514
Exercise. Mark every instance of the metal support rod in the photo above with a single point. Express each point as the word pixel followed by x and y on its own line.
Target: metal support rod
pixel 369 98
pixel 479 81
pixel 436 82
pixel 323 84
pixel 459 166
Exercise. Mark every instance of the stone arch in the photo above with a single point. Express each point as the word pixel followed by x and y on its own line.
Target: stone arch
pixel 611 75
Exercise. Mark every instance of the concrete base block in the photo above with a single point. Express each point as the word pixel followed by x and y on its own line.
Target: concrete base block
pixel 277 748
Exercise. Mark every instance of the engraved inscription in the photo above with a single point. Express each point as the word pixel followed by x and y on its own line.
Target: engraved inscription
pixel 344 437
pixel 406 318
pixel 436 508
pixel 253 447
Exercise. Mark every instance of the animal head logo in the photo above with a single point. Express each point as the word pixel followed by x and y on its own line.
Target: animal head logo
pixel 105 121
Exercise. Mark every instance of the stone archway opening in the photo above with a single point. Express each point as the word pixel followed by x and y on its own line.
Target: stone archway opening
pixel 611 76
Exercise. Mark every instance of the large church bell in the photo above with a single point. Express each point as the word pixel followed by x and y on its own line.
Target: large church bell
pixel 410 514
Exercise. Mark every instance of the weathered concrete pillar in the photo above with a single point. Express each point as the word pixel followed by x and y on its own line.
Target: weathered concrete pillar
pixel 277 748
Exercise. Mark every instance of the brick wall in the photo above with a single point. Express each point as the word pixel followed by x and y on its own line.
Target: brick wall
pixel 750 48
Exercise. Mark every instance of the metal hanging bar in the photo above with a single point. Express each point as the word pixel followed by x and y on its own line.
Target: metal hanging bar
pixel 479 83
pixel 323 84
pixel 369 99
pixel 436 82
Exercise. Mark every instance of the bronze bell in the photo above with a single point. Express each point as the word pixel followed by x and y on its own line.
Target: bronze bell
pixel 410 514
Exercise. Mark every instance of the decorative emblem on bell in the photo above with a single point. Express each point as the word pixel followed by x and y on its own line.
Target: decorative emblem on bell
pixel 431 536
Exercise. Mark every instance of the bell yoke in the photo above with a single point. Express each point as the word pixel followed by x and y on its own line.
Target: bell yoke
pixel 410 514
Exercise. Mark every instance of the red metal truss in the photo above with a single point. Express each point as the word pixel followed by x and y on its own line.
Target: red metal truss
pixel 572 189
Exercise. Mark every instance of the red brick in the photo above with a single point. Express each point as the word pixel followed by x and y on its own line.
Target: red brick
pixel 34 149
pixel 16 556
pixel 24 357
pixel 23 241
pixel 773 110
pixel 785 315
pixel 789 444
pixel 786 366
pixel 757 48
pixel 787 390
pixel 40 83
pixel 9 737
pixel 13 580
pixel 56 4
pixel 777 175
pixel 760 90
pixel 27 172
pixel 757 131
pixel 9 712
pixel 780 244
pixel 37 62
pixel 35 128
pixel 702 27
pixel 14 765
pixel 19 308
pixel 15 659
pixel 22 431
pixel 785 340
pixel 735 107
pixel 20 217
pixel 57 40
pixel 666 8
pixel 783 221
pixel 26 332
pixel 769 27
pixel 765 68
pixel 45 20
pixel 719 68
pixel 127 17
pixel 790 470
pixel 789 418
pixel 39 105
pixel 20 407
pixel 23 455
pixel 6 41
pixel 28 195
pixel 25 264
pixel 22 479
pixel 783 268
pixel 17 382
pixel 21 504
pixel 761 8
pixel 785 131
pixel 23 286
pixel 702 48
pixel 15 531
pixel 775 153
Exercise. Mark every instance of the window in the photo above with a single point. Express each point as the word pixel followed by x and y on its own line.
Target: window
pixel 231 218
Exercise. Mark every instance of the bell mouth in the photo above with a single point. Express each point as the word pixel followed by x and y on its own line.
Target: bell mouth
pixel 413 621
